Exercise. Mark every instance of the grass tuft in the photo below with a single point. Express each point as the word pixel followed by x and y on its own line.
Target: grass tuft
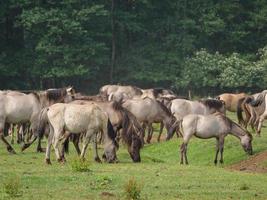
pixel 132 189
pixel 79 165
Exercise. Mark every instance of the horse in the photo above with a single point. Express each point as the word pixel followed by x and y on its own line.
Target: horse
pixel 148 111
pixel 231 100
pixel 182 107
pixel 209 126
pixel 157 93
pixel 17 107
pixel 119 92
pixel 76 119
pixel 261 102
pixel 121 119
pixel 251 113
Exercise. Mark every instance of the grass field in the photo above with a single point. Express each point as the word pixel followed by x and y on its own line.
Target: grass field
pixel 159 175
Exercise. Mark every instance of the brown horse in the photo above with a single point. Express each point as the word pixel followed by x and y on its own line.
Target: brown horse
pixel 231 100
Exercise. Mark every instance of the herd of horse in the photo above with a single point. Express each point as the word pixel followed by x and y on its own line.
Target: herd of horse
pixel 124 113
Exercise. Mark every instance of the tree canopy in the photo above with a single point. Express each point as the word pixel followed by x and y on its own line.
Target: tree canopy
pixel 205 46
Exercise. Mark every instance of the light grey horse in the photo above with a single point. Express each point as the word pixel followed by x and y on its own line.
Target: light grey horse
pixel 182 107
pixel 148 111
pixel 261 102
pixel 119 92
pixel 17 107
pixel 216 126
pixel 76 119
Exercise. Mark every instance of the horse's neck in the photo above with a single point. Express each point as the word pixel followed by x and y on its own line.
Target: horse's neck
pixel 237 131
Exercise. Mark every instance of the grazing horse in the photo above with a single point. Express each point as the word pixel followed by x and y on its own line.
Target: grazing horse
pixel 231 100
pixel 121 119
pixel 209 126
pixel 76 119
pixel 119 92
pixel 148 111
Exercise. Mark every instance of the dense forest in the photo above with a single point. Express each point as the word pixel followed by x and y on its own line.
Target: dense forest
pixel 206 46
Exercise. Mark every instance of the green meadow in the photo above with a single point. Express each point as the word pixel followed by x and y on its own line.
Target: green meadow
pixel 159 175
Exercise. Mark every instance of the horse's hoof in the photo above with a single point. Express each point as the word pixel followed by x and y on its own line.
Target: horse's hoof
pixel 48 161
pixel 97 159
pixel 11 150
pixel 41 150
pixel 25 146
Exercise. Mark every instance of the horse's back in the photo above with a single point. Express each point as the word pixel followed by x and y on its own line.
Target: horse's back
pixel 18 107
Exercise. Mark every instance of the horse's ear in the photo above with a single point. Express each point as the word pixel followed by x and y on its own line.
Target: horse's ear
pixel 70 89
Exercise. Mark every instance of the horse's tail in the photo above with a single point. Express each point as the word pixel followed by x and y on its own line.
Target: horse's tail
pixel 259 100
pixel 111 133
pixel 66 145
pixel 42 123
pixel 239 111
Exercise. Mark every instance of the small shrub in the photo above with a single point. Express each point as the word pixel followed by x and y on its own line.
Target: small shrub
pixel 244 187
pixel 80 166
pixel 132 189
pixel 12 186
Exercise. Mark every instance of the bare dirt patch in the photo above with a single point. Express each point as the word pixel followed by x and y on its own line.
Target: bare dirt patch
pixel 254 164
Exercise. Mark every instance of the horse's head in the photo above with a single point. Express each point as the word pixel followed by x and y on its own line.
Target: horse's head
pixel 110 149
pixel 70 92
pixel 246 142
pixel 134 149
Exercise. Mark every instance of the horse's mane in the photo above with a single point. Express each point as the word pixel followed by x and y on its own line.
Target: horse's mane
pixel 230 123
pixel 164 108
pixel 129 124
pixel 157 91
pixel 212 103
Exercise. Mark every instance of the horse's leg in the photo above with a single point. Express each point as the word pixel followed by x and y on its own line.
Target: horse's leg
pixel 150 133
pixel 185 154
pixel 217 151
pixel 56 144
pixel 48 148
pixel 12 134
pixel 160 130
pixel 75 140
pixel 261 119
pixel 8 146
pixel 182 154
pixel 96 157
pixel 221 144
